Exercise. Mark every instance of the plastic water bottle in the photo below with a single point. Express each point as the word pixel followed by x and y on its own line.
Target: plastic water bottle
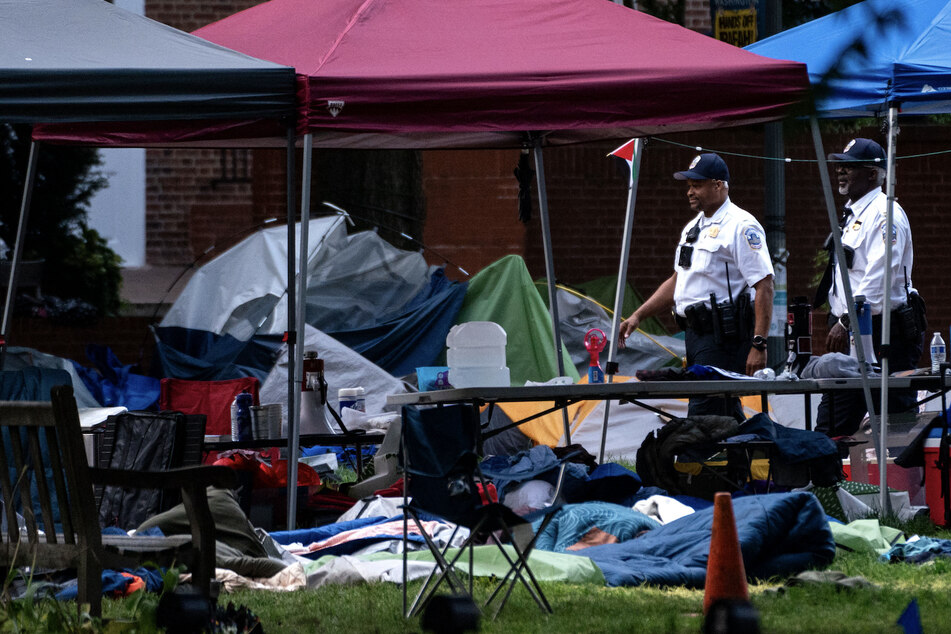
pixel 863 310
pixel 938 353
pixel 241 427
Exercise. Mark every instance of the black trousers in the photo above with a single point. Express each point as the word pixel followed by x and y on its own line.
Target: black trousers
pixel 840 413
pixel 702 349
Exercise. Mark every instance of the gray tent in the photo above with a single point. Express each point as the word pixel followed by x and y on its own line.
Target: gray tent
pixel 89 61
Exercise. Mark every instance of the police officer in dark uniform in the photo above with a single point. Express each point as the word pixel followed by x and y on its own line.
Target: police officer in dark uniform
pixel 722 286
pixel 860 172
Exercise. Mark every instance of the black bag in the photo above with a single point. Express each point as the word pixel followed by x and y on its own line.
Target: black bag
pixel 144 441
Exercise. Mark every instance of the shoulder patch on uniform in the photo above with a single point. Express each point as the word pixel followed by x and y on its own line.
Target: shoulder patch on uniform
pixel 753 238
pixel 894 233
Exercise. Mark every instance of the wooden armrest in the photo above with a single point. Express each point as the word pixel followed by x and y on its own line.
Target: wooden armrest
pixel 185 477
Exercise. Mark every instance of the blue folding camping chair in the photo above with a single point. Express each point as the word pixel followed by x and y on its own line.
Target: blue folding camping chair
pixel 440 460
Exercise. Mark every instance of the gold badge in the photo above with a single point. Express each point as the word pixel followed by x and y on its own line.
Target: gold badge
pixel 713 232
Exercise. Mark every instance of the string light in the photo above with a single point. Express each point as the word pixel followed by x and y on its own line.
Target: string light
pixel 786 159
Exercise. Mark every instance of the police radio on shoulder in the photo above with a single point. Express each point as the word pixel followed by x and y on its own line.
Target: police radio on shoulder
pixel 759 342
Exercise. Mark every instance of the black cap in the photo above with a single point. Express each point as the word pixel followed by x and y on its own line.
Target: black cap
pixel 861 153
pixel 705 167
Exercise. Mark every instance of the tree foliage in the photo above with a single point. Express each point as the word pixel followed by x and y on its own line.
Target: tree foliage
pixel 78 262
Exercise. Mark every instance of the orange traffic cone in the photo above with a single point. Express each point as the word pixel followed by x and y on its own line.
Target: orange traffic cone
pixel 726 576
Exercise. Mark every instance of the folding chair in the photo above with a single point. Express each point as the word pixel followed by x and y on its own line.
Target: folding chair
pixel 439 455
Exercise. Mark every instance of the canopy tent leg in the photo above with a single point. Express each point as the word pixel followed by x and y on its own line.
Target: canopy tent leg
pixel 621 281
pixel 550 270
pixel 18 248
pixel 882 448
pixel 293 436
pixel 844 278
pixel 293 343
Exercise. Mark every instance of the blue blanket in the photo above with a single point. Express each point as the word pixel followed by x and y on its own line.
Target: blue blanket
pixel 780 534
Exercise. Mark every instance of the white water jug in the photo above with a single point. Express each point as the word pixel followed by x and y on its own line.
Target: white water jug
pixel 476 355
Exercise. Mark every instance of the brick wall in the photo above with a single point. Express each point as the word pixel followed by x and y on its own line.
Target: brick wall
pixel 129 338
pixel 587 198
pixel 697 16
pixel 193 200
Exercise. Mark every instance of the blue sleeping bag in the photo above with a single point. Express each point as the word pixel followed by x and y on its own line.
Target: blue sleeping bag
pixel 780 534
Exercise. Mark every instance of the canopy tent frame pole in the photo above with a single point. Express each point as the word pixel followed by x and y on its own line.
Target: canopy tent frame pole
pixel 25 204
pixel 294 437
pixel 843 276
pixel 294 342
pixel 550 269
pixel 621 281
pixel 882 449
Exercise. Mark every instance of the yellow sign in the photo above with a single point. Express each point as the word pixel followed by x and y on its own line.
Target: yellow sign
pixel 735 27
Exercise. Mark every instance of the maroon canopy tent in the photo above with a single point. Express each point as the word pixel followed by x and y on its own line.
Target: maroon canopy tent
pixel 388 74
pixel 436 74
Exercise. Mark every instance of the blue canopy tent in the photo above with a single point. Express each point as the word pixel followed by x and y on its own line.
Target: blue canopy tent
pixel 875 58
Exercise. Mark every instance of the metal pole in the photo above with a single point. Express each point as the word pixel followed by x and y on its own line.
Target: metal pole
pixel 293 388
pixel 774 177
pixel 550 270
pixel 18 248
pixel 294 438
pixel 843 278
pixel 884 500
pixel 621 281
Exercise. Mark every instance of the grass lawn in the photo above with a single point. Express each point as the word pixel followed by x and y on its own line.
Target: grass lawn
pixel 376 608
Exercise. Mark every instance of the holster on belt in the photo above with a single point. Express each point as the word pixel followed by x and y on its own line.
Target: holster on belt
pixel 699 318
pixel 727 320
pixel 909 321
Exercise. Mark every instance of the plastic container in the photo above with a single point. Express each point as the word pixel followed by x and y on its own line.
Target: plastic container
pixel 933 477
pixel 480 377
pixel 476 355
pixel 863 310
pixel 352 397
pixel 312 372
pixel 939 352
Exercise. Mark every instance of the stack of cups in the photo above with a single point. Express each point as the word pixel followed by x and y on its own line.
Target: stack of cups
pixel 259 422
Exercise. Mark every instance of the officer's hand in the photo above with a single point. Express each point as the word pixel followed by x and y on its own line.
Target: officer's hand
pixel 838 339
pixel 628 326
pixel 756 360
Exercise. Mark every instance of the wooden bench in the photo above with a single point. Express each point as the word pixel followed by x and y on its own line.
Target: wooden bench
pixel 41 448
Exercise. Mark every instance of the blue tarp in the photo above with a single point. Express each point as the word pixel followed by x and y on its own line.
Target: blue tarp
pixel 886 51
pixel 200 355
pixel 114 384
pixel 417 335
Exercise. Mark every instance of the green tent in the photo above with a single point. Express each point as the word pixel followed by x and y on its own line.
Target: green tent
pixel 504 293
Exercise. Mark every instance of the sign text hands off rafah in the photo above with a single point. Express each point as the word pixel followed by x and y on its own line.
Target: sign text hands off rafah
pixel 734 21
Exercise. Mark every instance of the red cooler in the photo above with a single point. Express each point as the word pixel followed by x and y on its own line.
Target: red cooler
pixel 933 477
